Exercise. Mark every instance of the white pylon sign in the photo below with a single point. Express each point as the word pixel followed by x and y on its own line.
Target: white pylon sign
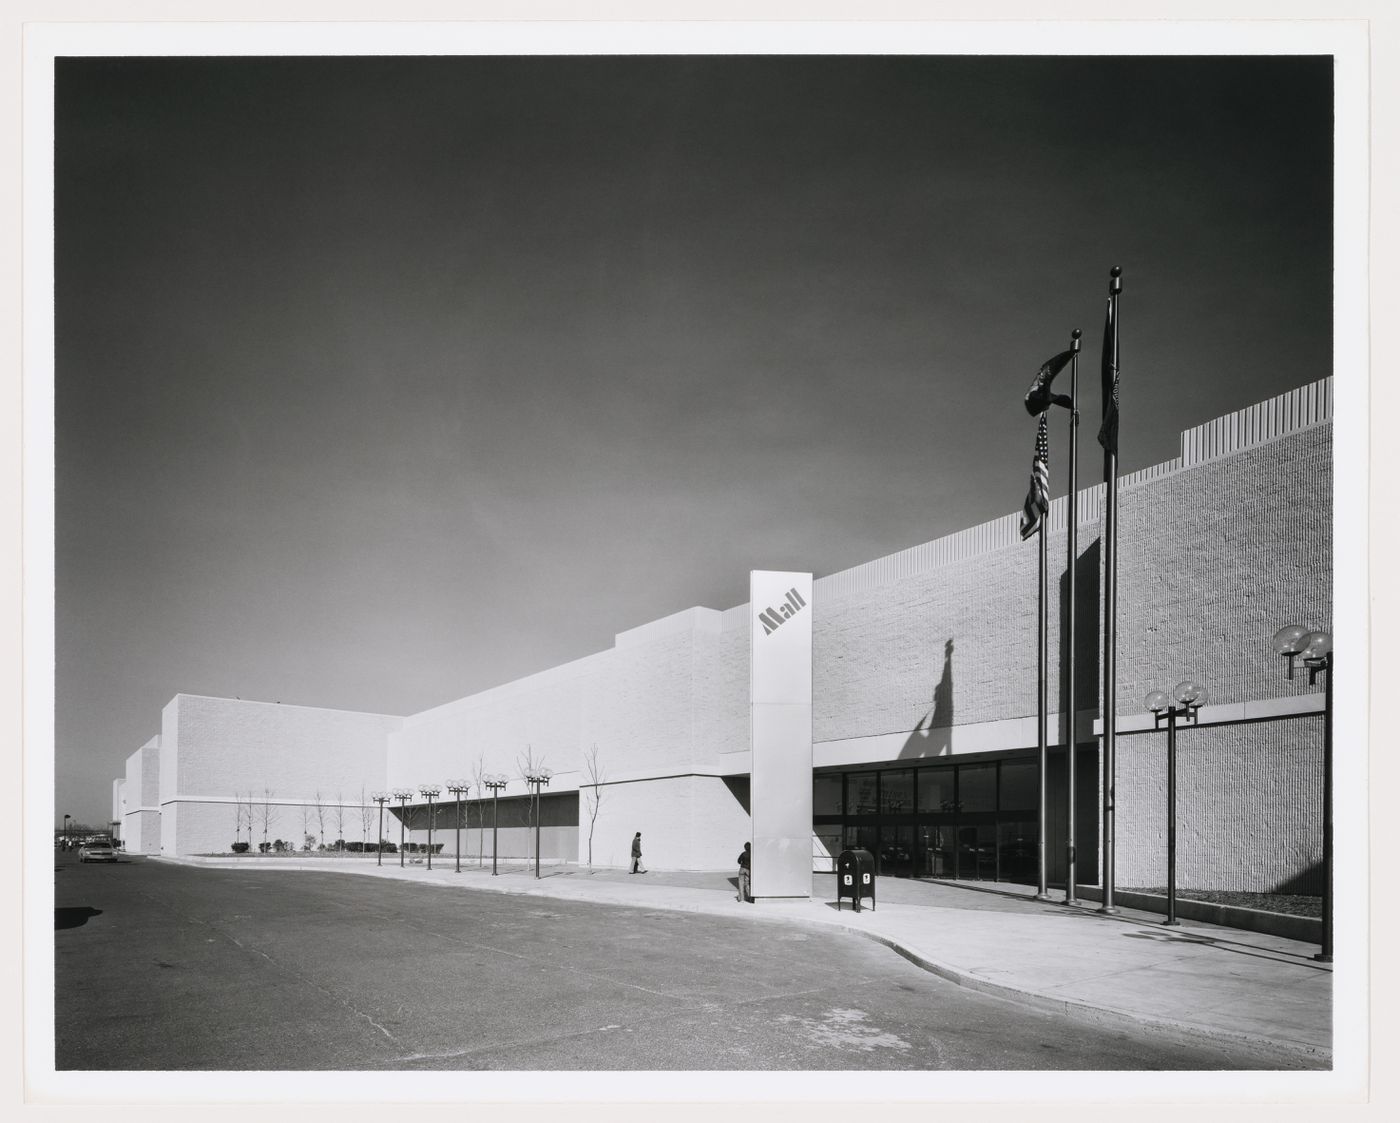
pixel 780 732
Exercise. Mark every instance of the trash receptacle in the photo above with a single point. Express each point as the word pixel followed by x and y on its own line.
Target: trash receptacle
pixel 855 877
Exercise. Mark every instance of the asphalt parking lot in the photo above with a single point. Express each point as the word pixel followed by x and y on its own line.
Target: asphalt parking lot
pixel 161 967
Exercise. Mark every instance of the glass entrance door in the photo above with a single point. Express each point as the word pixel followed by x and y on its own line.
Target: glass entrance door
pixel 977 853
pixel 895 857
pixel 1017 843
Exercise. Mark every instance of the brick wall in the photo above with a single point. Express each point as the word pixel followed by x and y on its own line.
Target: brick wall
pixel 214 750
pixel 687 822
pixel 228 746
pixel 1214 560
pixel 1217 550
pixel 1249 807
pixel 141 796
pixel 635 702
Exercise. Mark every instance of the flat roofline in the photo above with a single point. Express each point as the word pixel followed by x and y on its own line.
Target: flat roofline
pixel 283 705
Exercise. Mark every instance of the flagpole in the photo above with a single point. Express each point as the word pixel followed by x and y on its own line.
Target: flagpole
pixel 1042 705
pixel 1034 517
pixel 1110 612
pixel 1072 518
pixel 1042 710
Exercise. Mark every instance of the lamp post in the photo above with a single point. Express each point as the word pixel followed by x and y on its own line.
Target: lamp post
pixel 459 789
pixel 380 798
pixel 403 795
pixel 495 783
pixel 536 780
pixel 1314 647
pixel 431 794
pixel 1189 699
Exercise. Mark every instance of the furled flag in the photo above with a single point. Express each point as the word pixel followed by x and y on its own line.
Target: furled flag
pixel 1038 498
pixel 1038 397
pixel 1108 431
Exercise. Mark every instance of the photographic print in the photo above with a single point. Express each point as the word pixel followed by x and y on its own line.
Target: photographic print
pixel 769 561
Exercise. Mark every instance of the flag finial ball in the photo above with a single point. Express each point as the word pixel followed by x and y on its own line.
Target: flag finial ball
pixel 1116 271
pixel 1075 334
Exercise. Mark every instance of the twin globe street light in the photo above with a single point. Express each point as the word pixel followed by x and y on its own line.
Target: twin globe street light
pixel 430 793
pixel 495 783
pixel 536 780
pixel 403 795
pixel 1186 700
pixel 380 798
pixel 459 789
pixel 1314 648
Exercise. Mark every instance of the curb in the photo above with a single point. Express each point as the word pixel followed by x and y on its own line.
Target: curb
pixel 1039 1000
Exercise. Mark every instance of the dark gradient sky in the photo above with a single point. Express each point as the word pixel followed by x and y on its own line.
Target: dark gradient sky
pixel 382 381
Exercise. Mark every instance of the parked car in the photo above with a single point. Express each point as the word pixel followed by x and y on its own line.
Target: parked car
pixel 97 852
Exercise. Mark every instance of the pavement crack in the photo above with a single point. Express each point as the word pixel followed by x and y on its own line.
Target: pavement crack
pixel 340 1000
pixel 276 965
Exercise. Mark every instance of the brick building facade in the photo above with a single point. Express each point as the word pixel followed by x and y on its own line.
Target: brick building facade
pixel 924 703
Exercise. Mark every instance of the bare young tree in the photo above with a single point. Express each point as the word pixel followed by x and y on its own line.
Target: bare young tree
pixel 267 812
pixel 530 765
pixel 245 813
pixel 305 826
pixel 366 818
pixel 338 818
pixel 593 794
pixel 320 806
pixel 479 775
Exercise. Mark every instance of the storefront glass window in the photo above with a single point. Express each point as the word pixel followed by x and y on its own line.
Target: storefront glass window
pixel 977 787
pixel 1020 785
pixel 826 848
pixel 826 793
pixel 897 792
pixel 935 790
pixel 860 793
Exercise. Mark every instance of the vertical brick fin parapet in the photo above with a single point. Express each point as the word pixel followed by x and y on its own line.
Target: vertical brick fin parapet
pixel 1288 413
pixel 1235 432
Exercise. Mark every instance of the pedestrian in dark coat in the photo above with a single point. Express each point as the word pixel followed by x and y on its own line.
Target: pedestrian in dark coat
pixel 637 866
pixel 745 864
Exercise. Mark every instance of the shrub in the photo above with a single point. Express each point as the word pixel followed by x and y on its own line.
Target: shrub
pixel 239 848
pixel 264 847
pixel 278 845
pixel 355 847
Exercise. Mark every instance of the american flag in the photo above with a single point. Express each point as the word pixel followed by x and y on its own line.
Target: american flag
pixel 1038 498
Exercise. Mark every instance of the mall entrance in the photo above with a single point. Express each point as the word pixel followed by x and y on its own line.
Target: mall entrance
pixel 972 821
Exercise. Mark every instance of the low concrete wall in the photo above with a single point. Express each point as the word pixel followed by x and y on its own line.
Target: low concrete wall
pixel 1306 929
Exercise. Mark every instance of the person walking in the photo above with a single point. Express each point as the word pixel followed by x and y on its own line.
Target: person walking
pixel 637 866
pixel 745 859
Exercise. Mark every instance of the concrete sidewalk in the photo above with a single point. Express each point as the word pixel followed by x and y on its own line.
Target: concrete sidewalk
pixel 1197 980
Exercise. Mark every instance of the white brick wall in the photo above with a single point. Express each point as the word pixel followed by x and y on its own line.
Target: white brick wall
pixel 687 822
pixel 141 800
pixel 1213 557
pixel 214 750
pixel 636 703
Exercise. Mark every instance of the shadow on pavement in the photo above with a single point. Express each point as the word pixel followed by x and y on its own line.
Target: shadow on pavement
pixel 73 917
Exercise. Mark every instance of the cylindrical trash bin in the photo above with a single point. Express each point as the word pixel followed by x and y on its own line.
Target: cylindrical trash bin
pixel 855 877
